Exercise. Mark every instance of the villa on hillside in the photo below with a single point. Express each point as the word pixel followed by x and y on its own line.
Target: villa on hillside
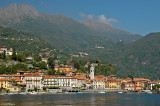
pixel 4 48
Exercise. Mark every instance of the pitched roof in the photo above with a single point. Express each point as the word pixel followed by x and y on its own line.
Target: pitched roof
pixel 99 79
pixel 157 81
pixel 88 82
pixel 5 79
pixel 59 77
pixel 113 80
pixel 17 79
pixel 140 79
pixel 81 78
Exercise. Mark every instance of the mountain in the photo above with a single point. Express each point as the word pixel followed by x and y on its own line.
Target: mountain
pixel 59 30
pixel 140 58
pixel 110 32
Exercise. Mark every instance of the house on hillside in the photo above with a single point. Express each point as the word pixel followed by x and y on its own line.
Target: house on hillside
pixel 8 52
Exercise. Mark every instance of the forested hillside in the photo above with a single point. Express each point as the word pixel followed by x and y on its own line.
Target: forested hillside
pixel 140 58
pixel 22 41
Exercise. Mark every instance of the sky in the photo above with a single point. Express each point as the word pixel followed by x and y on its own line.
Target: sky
pixel 135 16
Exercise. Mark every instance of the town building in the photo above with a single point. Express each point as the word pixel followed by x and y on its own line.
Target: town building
pixel 64 82
pixel 98 83
pixel 32 81
pixel 81 82
pixel 113 84
pixel 127 84
pixel 140 83
pixel 4 48
pixel 12 85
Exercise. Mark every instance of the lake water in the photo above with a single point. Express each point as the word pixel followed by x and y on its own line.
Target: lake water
pixel 81 100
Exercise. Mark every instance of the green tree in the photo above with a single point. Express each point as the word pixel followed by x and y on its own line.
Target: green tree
pixel 77 65
pixel 21 58
pixel 156 86
pixel 37 58
pixel 1 56
pixel 14 55
pixel 4 54
pixel 51 62
pixel 58 72
pixel 44 88
pixel 41 65
pixel 130 76
pixel 51 72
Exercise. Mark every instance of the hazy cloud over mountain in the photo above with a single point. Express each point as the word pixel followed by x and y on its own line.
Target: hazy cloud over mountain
pixel 102 18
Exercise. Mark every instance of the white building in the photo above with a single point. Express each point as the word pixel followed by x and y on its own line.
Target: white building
pixel 33 81
pixel 8 52
pixel 60 81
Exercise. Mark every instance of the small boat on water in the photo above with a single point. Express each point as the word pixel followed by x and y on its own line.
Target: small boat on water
pixel 34 93
pixel 66 92
pixel 120 92
pixel 101 92
pixel 2 94
pixel 79 92
pixel 9 93
pixel 23 93
pixel 148 91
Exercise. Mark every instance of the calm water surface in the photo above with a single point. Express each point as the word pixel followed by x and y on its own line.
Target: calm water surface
pixel 81 100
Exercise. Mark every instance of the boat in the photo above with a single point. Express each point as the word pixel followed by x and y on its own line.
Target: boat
pixel 23 93
pixel 79 92
pixel 9 93
pixel 34 93
pixel 148 91
pixel 120 92
pixel 66 92
pixel 102 92
pixel 2 94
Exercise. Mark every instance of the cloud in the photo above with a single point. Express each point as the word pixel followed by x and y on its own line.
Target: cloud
pixel 102 18
pixel 82 14
pixel 89 17
pixel 106 20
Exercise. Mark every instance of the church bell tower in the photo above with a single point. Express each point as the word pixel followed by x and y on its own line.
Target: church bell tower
pixel 92 72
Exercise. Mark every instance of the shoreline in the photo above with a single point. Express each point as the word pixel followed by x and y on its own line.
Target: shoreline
pixel 84 92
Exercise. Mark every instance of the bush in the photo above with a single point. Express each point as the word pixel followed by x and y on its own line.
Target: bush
pixel 44 88
pixel 53 87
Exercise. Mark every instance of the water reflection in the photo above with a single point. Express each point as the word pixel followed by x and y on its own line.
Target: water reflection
pixel 79 99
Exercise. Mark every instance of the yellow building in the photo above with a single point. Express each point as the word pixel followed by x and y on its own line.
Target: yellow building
pixel 113 84
pixel 11 84
pixel 98 83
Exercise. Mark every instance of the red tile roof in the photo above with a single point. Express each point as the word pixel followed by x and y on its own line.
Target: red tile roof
pixel 3 46
pixel 60 77
pixel 99 79
pixel 88 82
pixel 81 78
pixel 141 79
pixel 157 81
pixel 113 80
pixel 5 79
